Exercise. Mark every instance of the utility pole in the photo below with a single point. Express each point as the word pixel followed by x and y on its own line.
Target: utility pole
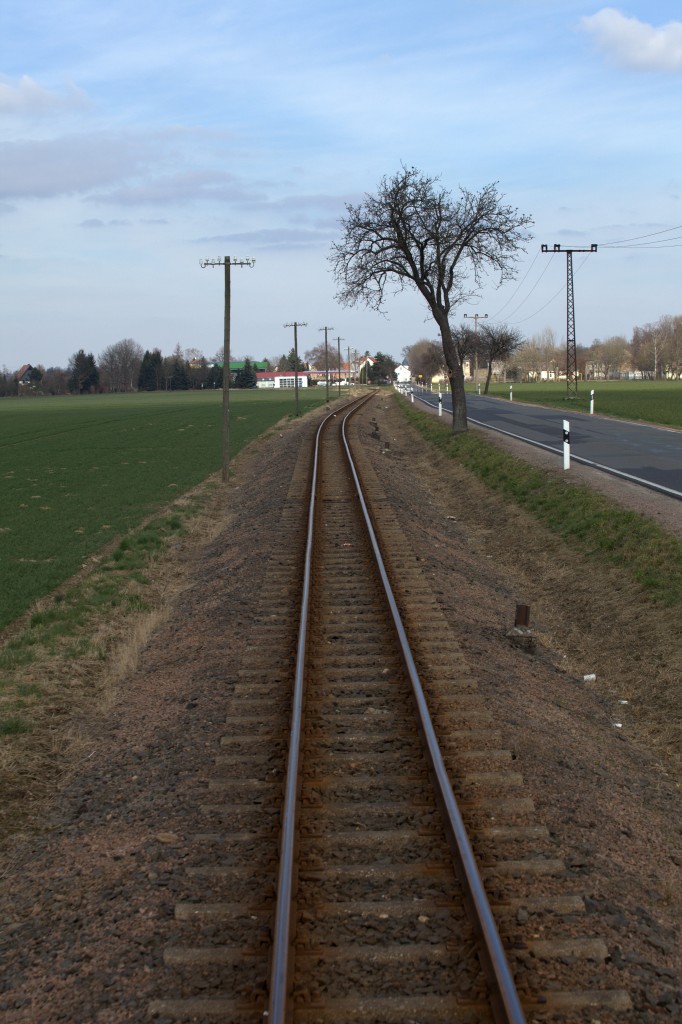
pixel 571 355
pixel 338 345
pixel 326 359
pixel 476 317
pixel 227 262
pixel 295 324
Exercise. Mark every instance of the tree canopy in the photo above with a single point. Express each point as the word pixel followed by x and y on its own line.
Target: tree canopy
pixel 496 343
pixel 414 233
pixel 149 377
pixel 245 376
pixel 83 373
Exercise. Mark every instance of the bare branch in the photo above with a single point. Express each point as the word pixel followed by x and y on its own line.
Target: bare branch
pixel 412 233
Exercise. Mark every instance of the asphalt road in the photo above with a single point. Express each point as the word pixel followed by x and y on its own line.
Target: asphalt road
pixel 645 454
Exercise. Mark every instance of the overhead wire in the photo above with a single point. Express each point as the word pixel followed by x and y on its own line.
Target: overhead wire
pixel 525 300
pixel 638 238
pixel 518 287
pixel 651 240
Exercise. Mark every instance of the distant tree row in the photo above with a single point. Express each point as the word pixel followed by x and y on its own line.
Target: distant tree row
pixel 124 367
pixel 654 353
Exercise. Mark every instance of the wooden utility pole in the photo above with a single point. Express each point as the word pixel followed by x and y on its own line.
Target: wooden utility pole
pixel 227 262
pixel 338 345
pixel 476 317
pixel 326 359
pixel 295 324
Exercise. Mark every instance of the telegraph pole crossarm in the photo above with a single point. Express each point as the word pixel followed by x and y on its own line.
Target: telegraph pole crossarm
pixel 227 262
pixel 571 353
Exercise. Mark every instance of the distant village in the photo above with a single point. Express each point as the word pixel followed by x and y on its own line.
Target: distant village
pixel 488 353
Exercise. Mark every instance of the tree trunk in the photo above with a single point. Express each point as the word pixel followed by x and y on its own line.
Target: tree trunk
pixel 459 401
pixel 456 377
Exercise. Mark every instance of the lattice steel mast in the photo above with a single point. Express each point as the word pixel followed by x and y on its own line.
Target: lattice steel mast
pixel 571 355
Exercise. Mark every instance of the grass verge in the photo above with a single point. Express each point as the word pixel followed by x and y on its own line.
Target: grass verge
pixel 605 583
pixel 578 515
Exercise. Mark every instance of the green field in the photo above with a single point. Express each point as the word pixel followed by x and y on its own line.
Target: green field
pixel 650 401
pixel 77 472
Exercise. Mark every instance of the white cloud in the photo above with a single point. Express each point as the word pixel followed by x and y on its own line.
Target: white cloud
pixel 635 44
pixel 25 96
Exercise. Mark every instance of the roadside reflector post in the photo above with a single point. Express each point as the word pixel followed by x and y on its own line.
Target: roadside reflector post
pixel 479 388
pixel 412 395
pixel 510 393
pixel 440 404
pixel 567 445
pixel 592 403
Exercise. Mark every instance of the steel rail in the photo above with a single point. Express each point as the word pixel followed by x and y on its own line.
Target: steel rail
pixel 505 1002
pixel 281 965
pixel 504 998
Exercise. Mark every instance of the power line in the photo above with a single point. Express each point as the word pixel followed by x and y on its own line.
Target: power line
pixel 521 304
pixel 637 238
pixel 496 315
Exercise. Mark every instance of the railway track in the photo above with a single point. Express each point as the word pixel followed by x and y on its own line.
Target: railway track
pixel 335 879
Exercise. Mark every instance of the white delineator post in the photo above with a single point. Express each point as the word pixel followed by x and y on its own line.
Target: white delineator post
pixel 567 445
pixel 591 403
pixel 510 393
pixel 440 404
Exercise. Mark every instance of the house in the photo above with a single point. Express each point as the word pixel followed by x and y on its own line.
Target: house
pixel 23 376
pixel 281 379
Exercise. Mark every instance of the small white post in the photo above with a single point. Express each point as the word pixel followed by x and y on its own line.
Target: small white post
pixel 479 388
pixel 440 404
pixel 510 393
pixel 591 403
pixel 412 395
pixel 567 445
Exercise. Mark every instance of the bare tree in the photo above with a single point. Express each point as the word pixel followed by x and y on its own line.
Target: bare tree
pixel 670 331
pixel 424 358
pixel 316 359
pixel 413 233
pixel 119 365
pixel 497 342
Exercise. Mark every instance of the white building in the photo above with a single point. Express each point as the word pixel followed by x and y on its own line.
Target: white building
pixel 282 379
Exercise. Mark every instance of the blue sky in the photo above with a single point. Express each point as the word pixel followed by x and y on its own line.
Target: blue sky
pixel 137 138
